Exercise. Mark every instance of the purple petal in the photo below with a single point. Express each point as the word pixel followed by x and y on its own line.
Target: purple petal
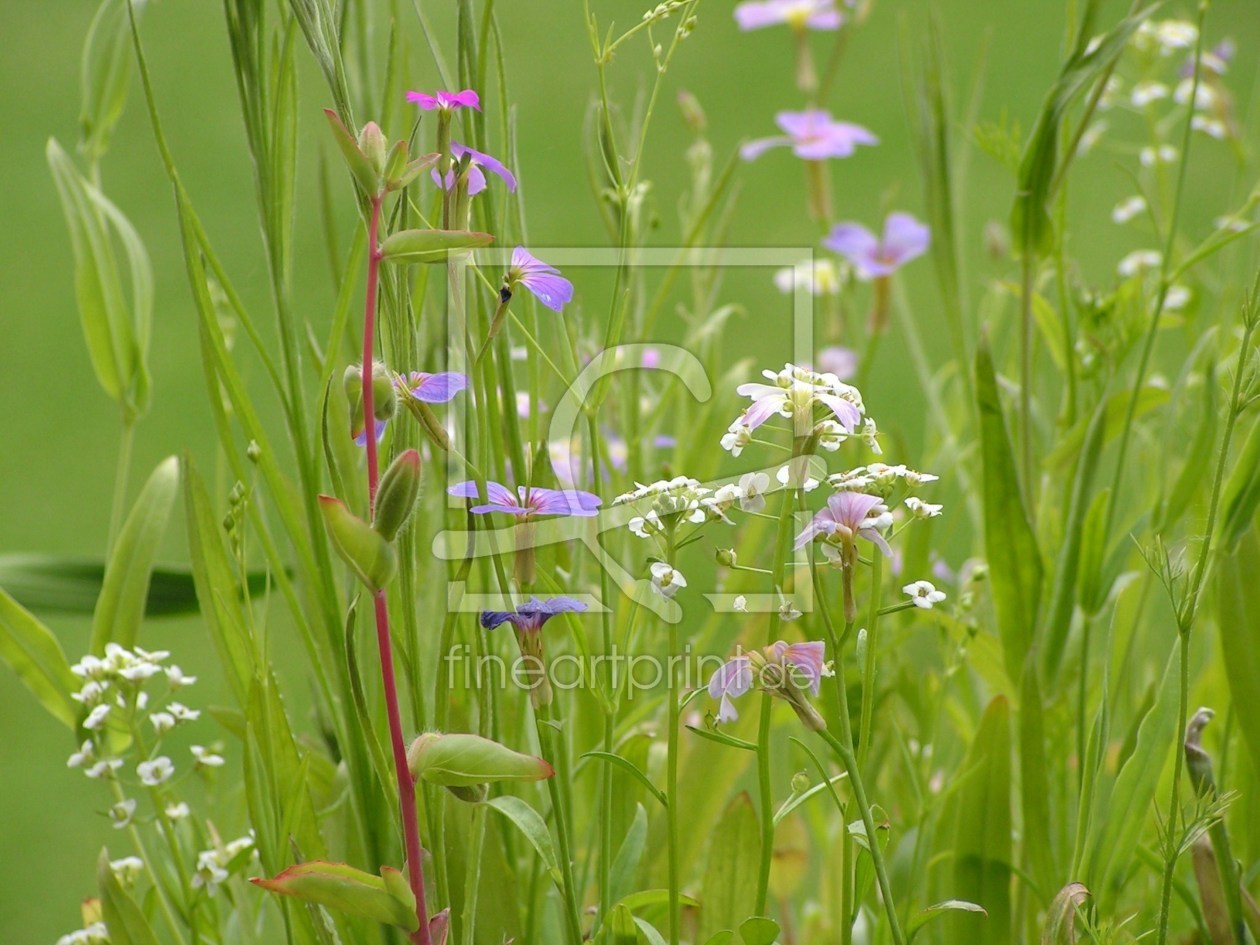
pixel 551 606
pixel 835 140
pixel 493 618
pixel 808 658
pixel 759 411
pixel 850 509
pixel 819 525
pixel 825 20
pixel 436 388
pixel 486 161
pixel 361 437
pixel 875 538
pixel 553 291
pixel 806 124
pixel 733 678
pixel 756 15
pixel 426 102
pixel 854 242
pixel 904 238
pixel 500 497
pixel 465 99
pixel 563 502
pixel 847 415
pixel 755 149
pixel 726 711
pixel 525 263
pixel 464 490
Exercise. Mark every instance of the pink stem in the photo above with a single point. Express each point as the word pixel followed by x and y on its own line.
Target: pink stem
pixel 406 786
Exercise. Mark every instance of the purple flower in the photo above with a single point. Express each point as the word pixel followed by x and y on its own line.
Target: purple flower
pixel 529 501
pixel 805 658
pixel 842 362
pixel 476 178
pixel 845 518
pixel 799 14
pixel 548 286
pixel 780 669
pixel 446 101
pixel 360 438
pixel 435 388
pixel 532 614
pixel 812 135
pixel 733 679
pixel 904 239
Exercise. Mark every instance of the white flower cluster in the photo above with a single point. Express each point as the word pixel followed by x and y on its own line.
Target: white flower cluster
pixel 94 934
pixel 795 392
pixel 879 479
pixel 215 866
pixel 668 502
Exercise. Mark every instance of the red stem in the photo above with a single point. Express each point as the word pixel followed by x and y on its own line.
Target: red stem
pixel 406 786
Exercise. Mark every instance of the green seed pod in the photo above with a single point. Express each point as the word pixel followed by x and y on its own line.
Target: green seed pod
pixel 384 398
pixel 396 498
pixel 726 557
pixel 367 552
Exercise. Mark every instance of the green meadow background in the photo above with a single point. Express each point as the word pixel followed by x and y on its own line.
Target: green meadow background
pixel 58 432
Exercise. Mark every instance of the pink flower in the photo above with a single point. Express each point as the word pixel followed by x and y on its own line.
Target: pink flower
pixel 548 286
pixel 786 670
pixel 904 239
pixel 445 101
pixel 528 502
pixel 476 177
pixel 799 14
pixel 846 518
pixel 813 136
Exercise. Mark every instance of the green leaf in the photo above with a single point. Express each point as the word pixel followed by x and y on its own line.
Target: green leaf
pixel 458 759
pixel 1010 545
pixel 531 825
pixel 796 800
pixel 360 167
pixel 1035 773
pixel 370 555
pixel 652 897
pixel 936 910
pixel 1060 926
pixel 649 932
pixel 722 739
pixel 629 855
pixel 1150 398
pixel 105 72
pixel 731 875
pixel 430 246
pixel 123 917
pixel 1180 498
pixel 1238 617
pixel 346 889
pixel 1241 496
pixel 981 819
pixel 34 654
pixel 627 765
pixel 1094 578
pixel 120 609
pixel 725 937
pixel 759 930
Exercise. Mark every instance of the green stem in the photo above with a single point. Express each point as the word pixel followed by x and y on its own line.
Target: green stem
pixel 548 739
pixel 671 812
pixel 1174 803
pixel 167 912
pixel 868 669
pixel 121 475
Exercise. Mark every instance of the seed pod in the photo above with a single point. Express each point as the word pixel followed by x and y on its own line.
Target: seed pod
pixel 396 498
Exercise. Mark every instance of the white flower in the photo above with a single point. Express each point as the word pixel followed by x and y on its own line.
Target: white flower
pixel 238 846
pixel 175 676
pixel 1176 298
pixel 122 812
pixel 740 604
pixel 163 722
pixel 645 526
pixel 155 772
pixel 1165 36
pixel 924 594
pixel 94 934
pixel 1205 98
pixel 103 770
pixel 210 872
pixel 206 758
pixel 1093 134
pixel 92 693
pixel 155 657
pixel 665 580
pixel 830 435
pixel 139 671
pixel 182 713
pixel 795 392
pixel 922 509
pixel 1127 209
pixel 737 436
pixel 915 478
pixel 1164 154
pixel 818 276
pixel 1144 93
pixel 870 436
pixel 85 755
pixel 90 667
pixel 177 811
pixel 127 869
pixel 785 474
pixel 1209 126
pixel 1138 261
pixel 96 718
pixel 787 609
pixel 752 491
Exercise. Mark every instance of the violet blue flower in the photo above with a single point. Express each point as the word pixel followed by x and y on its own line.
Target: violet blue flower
pixel 529 501
pixel 812 135
pixel 532 614
pixel 732 680
pixel 548 286
pixel 445 101
pixel 476 178
pixel 904 239
pixel 435 388
pixel 845 518
pixel 799 14
pixel 780 670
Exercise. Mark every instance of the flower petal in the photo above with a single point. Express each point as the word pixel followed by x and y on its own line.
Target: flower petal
pixel 904 238
pixel 437 388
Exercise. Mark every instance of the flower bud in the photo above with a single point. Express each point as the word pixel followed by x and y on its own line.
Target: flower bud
pixel 800 783
pixel 374 147
pixel 253 451
pixel 369 555
pixel 456 759
pixel 692 113
pixel 396 498
pixel 384 398
pixel 726 557
pixel 1198 761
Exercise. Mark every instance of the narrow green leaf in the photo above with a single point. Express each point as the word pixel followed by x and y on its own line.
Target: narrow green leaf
pixel 1241 496
pixel 730 877
pixel 34 654
pixel 531 825
pixel 1035 773
pixel 430 246
pixel 936 910
pixel 649 932
pixel 1180 498
pixel 626 864
pixel 348 890
pixel 1150 398
pixel 722 739
pixel 123 917
pixel 1238 617
pixel 360 167
pixel 653 897
pixel 105 72
pixel 759 930
pixel 120 610
pixel 1010 545
pixel 629 766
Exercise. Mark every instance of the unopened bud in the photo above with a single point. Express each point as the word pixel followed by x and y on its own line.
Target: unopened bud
pixel 725 557
pixel 396 498
pixel 800 783
pixel 1198 761
pixel 465 760
pixel 384 398
pixel 374 146
pixel 253 451
pixel 367 552
pixel 692 113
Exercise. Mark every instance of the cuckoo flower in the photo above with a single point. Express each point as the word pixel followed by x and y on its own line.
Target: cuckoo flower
pixel 476 177
pixel 528 501
pixel 812 135
pixel 904 239
pixel 544 281
pixel 527 620
pixel 795 392
pixel 445 101
pixel 846 517
pixel 799 14
pixel 419 386
pixel 786 670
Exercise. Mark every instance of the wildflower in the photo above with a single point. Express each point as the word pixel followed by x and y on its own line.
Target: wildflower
pixel 96 718
pixel 85 755
pixel 1210 127
pixel 127 869
pixel 204 758
pixel 816 276
pixel 177 811
pixel 476 177
pixel 139 671
pixel 1165 36
pixel 182 713
pixel 155 772
pixel 795 393
pixel 1204 99
pixel 904 238
pixel 527 620
pixel 846 518
pixel 1176 298
pixel 103 770
pixel 788 671
pixel 666 581
pixel 90 667
pixel 1144 93
pixel 813 136
pixel 787 609
pixel 122 812
pixel 799 14
pixel 432 388
pixel 750 492
pixel 870 436
pixel 740 604
pixel 176 678
pixel 1139 261
pixel 1164 154
pixel 1127 209
pixel 921 509
pixel 795 475
pixel 669 503
pixel 528 501
pixel 210 873
pixel 544 281
pixel 91 694
pixel 445 101
pixel 163 722
pixel 924 594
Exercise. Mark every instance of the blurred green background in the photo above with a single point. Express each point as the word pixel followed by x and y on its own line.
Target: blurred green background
pixel 59 432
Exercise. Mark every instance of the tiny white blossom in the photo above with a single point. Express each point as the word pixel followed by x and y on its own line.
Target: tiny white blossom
pixel 921 509
pixel 90 667
pixel 915 478
pixel 870 436
pixel 103 770
pixel 210 872
pixel 645 526
pixel 740 604
pixel 818 276
pixel 122 812
pixel 96 718
pixel 155 657
pixel 1138 261
pixel 1093 134
pixel 1127 209
pixel 175 676
pixel 1146 92
pixel 785 473
pixel 92 693
pixel 177 811
pixel 924 594
pixel 752 491
pixel 206 758
pixel 666 580
pixel 787 609
pixel 1164 154
pixel 1176 298
pixel 1205 98
pixel 85 755
pixel 94 934
pixel 238 846
pixel 139 671
pixel 1210 127
pixel 155 772
pixel 163 722
pixel 127 869
pixel 182 713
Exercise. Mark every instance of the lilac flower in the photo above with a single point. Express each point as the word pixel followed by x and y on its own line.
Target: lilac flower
pixel 787 670
pixel 799 14
pixel 732 680
pixel 529 501
pixel 433 388
pixel 531 615
pixel 845 518
pixel 904 238
pixel 812 135
pixel 837 360
pixel 476 178
pixel 445 101
pixel 548 286
pixel 794 393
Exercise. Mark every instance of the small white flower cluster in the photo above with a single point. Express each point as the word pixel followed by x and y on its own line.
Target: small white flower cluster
pixel 795 392
pixel 880 479
pixel 1165 37
pixel 215 866
pixel 94 934
pixel 667 503
pixel 924 594
pixel 816 276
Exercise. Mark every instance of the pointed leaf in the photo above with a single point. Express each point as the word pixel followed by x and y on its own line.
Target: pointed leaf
pixel 530 823
pixel 731 875
pixel 430 246
pixel 457 759
pixel 34 654
pixel 939 909
pixel 123 917
pixel 346 889
pixel 360 167
pixel 1238 617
